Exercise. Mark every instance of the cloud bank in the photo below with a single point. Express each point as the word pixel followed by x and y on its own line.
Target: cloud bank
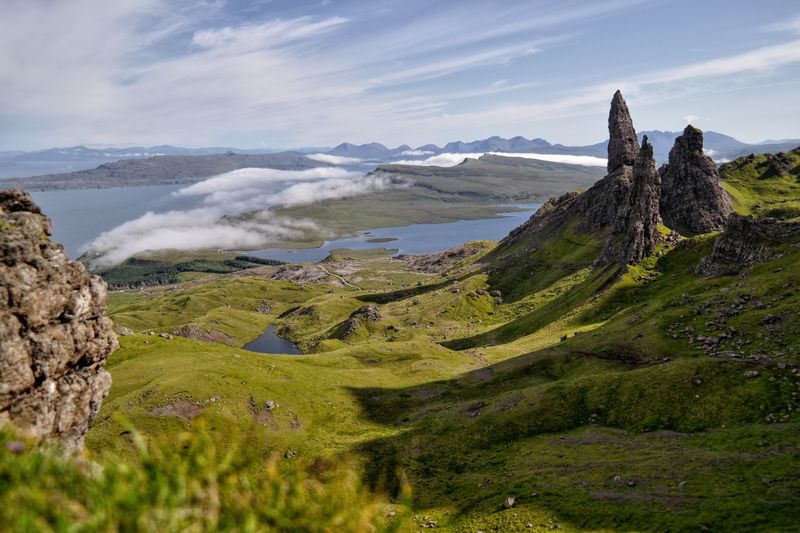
pixel 452 159
pixel 217 222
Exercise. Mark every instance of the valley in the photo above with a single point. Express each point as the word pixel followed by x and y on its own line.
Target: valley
pixel 658 393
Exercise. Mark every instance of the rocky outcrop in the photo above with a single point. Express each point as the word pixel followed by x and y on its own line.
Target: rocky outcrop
pixel 635 234
pixel 622 142
pixel 780 164
pixel 692 197
pixel 190 331
pixel 362 316
pixel 54 337
pixel 745 242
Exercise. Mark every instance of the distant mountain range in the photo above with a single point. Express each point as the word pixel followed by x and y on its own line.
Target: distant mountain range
pixel 721 147
pixel 20 164
pixel 83 153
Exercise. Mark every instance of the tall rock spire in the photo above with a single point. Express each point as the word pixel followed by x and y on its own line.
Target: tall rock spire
pixel 622 142
pixel 635 233
pixel 692 197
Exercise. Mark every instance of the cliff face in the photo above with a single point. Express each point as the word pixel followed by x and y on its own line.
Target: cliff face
pixel 692 197
pixel 54 337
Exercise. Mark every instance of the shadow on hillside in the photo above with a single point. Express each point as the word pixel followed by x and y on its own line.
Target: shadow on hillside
pixel 463 399
pixel 393 296
pixel 535 320
pixel 461 440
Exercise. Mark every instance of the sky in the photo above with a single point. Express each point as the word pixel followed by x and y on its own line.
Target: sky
pixel 292 73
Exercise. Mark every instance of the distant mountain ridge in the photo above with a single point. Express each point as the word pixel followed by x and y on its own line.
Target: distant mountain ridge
pixel 719 146
pixel 81 153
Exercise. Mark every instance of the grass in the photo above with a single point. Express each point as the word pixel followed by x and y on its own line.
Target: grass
pixel 184 483
pixel 756 191
pixel 175 268
pixel 525 413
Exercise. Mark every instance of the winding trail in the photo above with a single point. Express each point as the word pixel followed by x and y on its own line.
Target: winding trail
pixel 340 278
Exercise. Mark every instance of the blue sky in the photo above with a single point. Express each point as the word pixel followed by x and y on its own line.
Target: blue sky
pixel 283 73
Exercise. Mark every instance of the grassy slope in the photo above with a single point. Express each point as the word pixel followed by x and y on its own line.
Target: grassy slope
pixel 756 192
pixel 631 423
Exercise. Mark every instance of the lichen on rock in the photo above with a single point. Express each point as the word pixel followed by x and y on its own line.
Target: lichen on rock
pixel 54 335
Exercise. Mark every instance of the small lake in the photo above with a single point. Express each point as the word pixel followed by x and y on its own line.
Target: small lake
pixel 271 342
pixel 413 239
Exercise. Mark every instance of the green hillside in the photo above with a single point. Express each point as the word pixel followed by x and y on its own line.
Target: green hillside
pixel 644 398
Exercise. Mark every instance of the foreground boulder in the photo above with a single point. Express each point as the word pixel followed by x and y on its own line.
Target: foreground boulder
pixel 692 197
pixel 54 336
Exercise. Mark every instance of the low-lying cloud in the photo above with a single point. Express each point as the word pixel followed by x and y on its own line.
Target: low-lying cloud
pixel 214 223
pixel 334 159
pixel 453 159
pixel 416 152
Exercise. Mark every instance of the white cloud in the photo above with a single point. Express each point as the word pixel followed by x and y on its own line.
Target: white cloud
pixel 690 118
pixel 165 71
pixel 453 159
pixel 168 71
pixel 253 37
pixel 416 152
pixel 192 230
pixel 248 178
pixel 215 225
pixel 791 25
pixel 334 159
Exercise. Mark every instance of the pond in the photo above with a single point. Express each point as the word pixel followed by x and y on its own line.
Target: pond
pixel 271 342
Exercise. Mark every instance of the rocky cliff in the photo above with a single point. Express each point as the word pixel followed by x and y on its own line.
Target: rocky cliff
pixel 692 197
pixel 54 336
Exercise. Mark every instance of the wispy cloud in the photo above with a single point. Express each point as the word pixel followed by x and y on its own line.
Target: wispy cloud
pixel 254 37
pixel 215 73
pixel 334 159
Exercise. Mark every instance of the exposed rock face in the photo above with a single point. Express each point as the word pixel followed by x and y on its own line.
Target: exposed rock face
pixel 635 234
pixel 779 164
pixel 692 196
pixel 622 144
pixel 365 314
pixel 54 337
pixel 190 331
pixel 623 207
pixel 744 242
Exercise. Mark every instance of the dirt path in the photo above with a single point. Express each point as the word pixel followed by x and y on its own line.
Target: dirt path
pixel 340 278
